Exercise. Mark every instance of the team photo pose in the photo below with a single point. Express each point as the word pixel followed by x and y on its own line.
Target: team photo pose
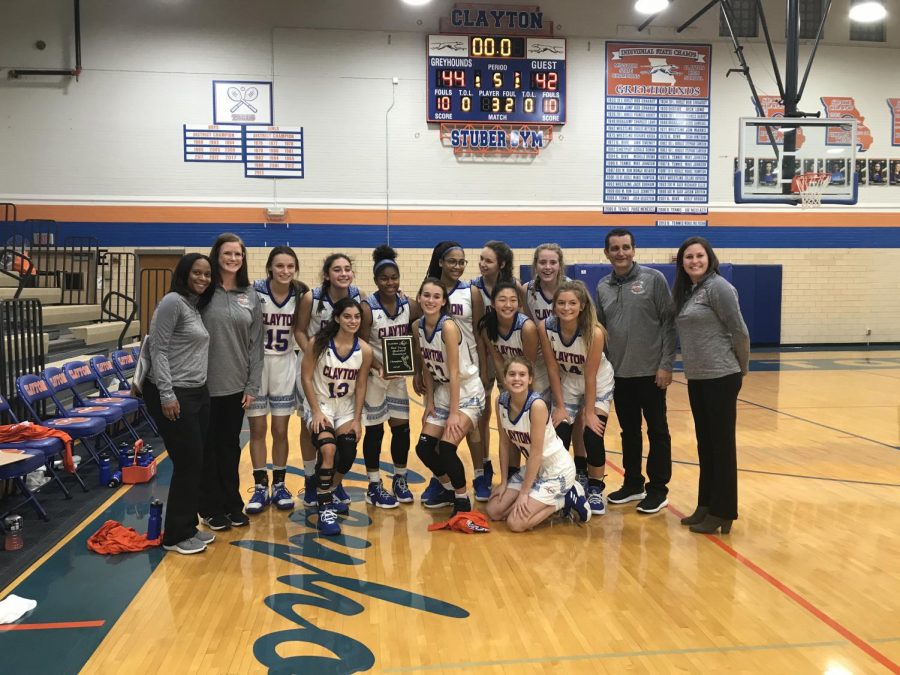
pixel 547 482
pixel 635 307
pixel 581 378
pixel 316 308
pixel 233 319
pixel 175 392
pixel 715 348
pixel 466 306
pixel 495 265
pixel 454 396
pixel 334 376
pixel 279 296
pixel 386 313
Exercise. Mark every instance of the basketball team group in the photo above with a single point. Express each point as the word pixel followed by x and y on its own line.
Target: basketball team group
pixel 221 347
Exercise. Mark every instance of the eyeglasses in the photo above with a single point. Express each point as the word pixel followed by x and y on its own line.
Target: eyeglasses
pixel 454 262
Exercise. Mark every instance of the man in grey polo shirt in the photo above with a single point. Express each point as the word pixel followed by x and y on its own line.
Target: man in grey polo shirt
pixel 635 306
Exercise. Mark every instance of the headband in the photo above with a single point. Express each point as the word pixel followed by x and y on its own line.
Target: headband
pixel 452 248
pixel 383 263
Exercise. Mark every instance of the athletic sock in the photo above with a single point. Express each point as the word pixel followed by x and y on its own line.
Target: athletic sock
pixel 479 473
pixel 278 473
pixel 374 476
pixel 260 477
pixel 399 470
pixel 309 468
pixel 447 486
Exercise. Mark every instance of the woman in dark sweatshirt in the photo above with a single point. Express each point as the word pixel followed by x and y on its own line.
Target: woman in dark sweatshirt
pixel 715 348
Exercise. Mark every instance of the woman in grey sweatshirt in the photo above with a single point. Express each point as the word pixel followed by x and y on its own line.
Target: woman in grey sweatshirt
pixel 234 321
pixel 177 398
pixel 715 348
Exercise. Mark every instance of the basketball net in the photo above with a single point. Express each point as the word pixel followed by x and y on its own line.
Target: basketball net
pixel 810 186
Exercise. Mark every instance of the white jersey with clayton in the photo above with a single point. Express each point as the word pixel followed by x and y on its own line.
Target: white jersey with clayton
pixel 557 473
pixel 277 319
pixel 511 345
pixel 539 304
pixel 460 301
pixel 471 391
pixel 386 325
pixel 478 282
pixel 386 399
pixel 571 358
pixel 318 317
pixel 335 377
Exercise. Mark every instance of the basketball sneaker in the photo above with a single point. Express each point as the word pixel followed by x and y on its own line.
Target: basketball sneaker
pixel 434 489
pixel 482 488
pixel 401 489
pixel 282 497
pixel 340 495
pixel 460 505
pixel 653 503
pixel 340 508
pixel 259 500
pixel 583 479
pixel 309 492
pixel 328 521
pixel 376 495
pixel 576 503
pixel 595 501
pixel 443 498
pixel 626 494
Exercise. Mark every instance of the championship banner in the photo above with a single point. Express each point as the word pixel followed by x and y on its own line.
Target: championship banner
pixel 772 106
pixel 656 137
pixel 845 106
pixel 894 105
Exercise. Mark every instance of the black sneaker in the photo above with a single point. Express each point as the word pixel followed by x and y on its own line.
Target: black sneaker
pixel 216 522
pixel 461 505
pixel 652 503
pixel 238 519
pixel 626 494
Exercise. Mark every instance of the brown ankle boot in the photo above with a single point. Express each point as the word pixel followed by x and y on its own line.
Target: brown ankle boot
pixel 696 517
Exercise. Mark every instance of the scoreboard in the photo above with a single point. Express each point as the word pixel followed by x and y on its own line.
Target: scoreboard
pixel 496 79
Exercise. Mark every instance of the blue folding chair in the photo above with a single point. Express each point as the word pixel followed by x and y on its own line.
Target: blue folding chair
pixel 88 390
pixel 76 427
pixel 17 472
pixel 120 367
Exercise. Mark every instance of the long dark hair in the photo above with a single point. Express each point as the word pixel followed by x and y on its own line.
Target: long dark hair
pixel 683 283
pixel 300 289
pixel 504 259
pixel 242 279
pixel 326 282
pixel 440 250
pixel 331 327
pixel 445 308
pixel 490 322
pixel 181 279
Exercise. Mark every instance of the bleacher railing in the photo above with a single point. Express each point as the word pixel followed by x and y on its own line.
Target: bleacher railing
pixel 21 345
pixel 154 284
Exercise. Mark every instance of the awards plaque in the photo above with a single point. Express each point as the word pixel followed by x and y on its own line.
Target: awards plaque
pixel 397 356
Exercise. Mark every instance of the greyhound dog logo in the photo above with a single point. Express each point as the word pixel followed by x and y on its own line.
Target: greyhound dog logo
pixel 539 48
pixel 242 96
pixel 452 45
pixel 662 71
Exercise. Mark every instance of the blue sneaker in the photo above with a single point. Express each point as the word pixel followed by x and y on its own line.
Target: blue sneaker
pixel 401 489
pixel 482 488
pixel 309 492
pixel 576 503
pixel 282 498
pixel 445 498
pixel 376 495
pixel 340 508
pixel 328 522
pixel 259 500
pixel 340 495
pixel 595 501
pixel 433 490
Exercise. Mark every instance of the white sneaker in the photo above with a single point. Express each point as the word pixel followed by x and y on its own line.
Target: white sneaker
pixel 189 546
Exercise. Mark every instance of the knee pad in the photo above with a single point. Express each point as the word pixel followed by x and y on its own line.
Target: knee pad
pixel 325 476
pixel 596 449
pixel 453 465
pixel 323 437
pixel 400 444
pixel 564 431
pixel 346 452
pixel 427 452
pixel 372 445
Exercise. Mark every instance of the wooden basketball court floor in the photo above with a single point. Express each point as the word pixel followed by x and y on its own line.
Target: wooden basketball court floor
pixel 807 582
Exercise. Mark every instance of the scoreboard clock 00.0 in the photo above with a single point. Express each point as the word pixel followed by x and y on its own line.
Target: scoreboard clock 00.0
pixel 496 79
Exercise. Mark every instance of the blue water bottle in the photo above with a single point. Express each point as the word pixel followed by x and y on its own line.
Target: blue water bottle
pixel 154 522
pixel 105 469
pixel 115 480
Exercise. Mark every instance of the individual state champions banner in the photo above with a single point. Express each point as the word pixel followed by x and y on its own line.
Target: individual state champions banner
pixel 894 105
pixel 657 126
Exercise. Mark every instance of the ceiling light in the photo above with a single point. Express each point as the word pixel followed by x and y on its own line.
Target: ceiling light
pixel 651 6
pixel 416 3
pixel 868 11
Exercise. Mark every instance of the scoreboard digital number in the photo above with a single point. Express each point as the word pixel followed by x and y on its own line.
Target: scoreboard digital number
pixel 496 79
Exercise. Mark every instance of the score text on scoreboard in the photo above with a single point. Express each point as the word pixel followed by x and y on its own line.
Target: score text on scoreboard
pixel 496 78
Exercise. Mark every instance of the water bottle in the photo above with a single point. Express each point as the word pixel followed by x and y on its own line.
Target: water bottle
pixel 154 522
pixel 115 480
pixel 13 526
pixel 125 456
pixel 105 469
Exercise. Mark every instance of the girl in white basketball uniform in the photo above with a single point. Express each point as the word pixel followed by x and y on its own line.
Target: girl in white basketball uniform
pixel 386 313
pixel 547 481
pixel 316 308
pixel 334 377
pixel 466 306
pixel 454 396
pixel 581 377
pixel 279 296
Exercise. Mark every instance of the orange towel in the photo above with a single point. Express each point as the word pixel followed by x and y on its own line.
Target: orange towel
pixel 24 431
pixel 469 522
pixel 113 538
